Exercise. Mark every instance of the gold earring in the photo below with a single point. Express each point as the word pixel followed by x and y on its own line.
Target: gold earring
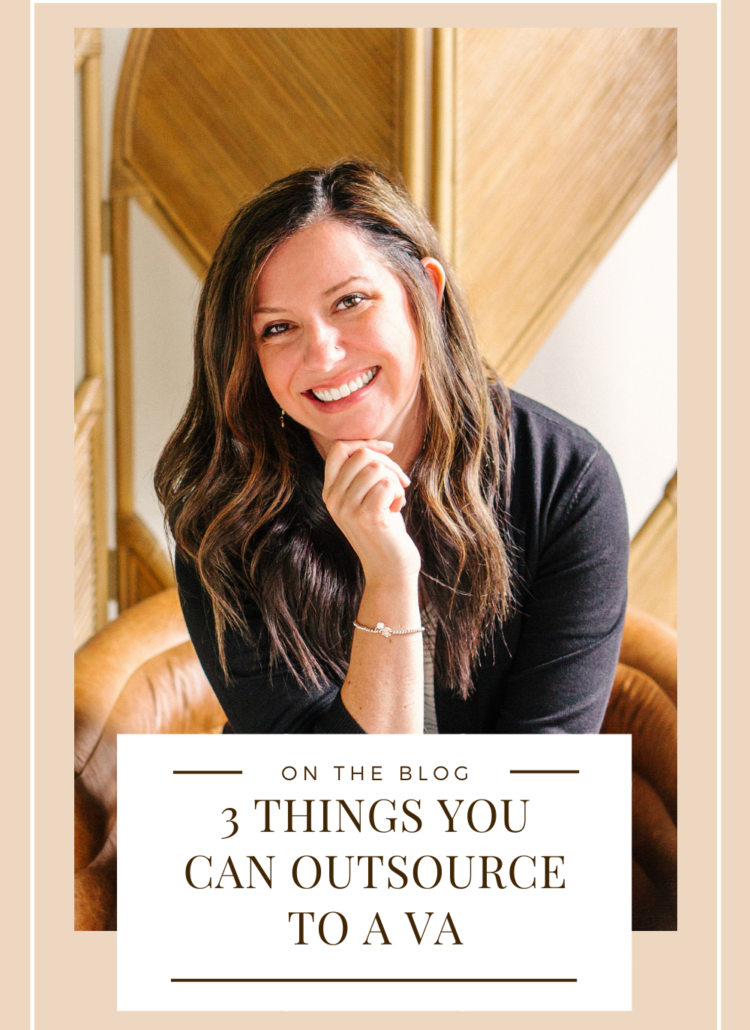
pixel 282 418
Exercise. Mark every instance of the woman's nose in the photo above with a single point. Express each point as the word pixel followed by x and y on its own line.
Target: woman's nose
pixel 323 345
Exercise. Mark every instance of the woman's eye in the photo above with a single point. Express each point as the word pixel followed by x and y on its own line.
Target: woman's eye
pixel 275 330
pixel 352 300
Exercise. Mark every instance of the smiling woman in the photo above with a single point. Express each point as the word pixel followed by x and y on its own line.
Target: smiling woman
pixel 372 534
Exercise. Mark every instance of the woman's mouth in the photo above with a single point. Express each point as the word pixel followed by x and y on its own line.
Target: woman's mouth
pixel 357 383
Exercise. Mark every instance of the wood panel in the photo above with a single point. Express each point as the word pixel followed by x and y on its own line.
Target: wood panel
pixel 90 569
pixel 444 136
pixel 560 136
pixel 143 569
pixel 207 117
pixel 89 463
pixel 652 576
pixel 414 162
pixel 86 43
pixel 92 211
pixel 123 357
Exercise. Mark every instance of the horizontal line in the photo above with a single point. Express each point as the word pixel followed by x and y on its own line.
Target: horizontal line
pixel 555 771
pixel 374 980
pixel 207 772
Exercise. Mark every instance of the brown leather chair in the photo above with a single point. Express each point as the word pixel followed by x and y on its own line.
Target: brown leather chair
pixel 140 674
pixel 644 703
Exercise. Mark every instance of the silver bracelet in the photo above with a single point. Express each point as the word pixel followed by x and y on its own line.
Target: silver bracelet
pixel 386 631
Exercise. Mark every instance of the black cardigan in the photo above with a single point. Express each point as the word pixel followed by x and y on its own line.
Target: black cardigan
pixel 549 669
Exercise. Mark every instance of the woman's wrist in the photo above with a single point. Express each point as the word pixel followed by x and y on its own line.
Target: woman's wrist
pixel 384 687
pixel 395 603
pixel 388 582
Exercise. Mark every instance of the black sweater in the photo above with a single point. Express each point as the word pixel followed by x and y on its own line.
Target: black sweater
pixel 549 669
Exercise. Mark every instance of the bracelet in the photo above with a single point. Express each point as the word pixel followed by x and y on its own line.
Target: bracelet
pixel 386 631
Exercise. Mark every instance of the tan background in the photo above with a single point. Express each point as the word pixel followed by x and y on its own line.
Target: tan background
pixel 674 974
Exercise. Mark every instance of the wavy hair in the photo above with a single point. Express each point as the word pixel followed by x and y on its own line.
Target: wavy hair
pixel 242 495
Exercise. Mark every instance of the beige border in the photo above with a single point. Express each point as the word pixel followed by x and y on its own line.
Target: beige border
pixel 15 597
pixel 736 504
pixel 673 974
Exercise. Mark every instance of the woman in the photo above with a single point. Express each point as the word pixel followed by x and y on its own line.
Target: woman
pixel 372 534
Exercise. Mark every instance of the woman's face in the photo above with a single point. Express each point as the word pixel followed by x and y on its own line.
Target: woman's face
pixel 337 341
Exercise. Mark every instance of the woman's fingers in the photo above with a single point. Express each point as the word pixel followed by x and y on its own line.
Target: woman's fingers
pixel 374 489
pixel 356 479
pixel 348 456
pixel 342 450
pixel 343 467
pixel 384 496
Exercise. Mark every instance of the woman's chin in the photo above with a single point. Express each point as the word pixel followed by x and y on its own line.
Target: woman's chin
pixel 348 426
pixel 324 440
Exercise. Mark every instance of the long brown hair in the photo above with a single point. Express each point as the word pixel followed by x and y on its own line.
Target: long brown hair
pixel 242 495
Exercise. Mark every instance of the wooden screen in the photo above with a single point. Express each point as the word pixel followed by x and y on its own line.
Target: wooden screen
pixel 652 576
pixel 559 135
pixel 207 117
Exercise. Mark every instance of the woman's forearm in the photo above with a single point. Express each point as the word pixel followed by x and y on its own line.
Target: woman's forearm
pixel 384 687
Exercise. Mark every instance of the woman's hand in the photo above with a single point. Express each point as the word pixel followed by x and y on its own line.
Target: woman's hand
pixel 364 492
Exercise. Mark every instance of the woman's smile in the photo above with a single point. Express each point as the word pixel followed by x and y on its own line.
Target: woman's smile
pixel 344 388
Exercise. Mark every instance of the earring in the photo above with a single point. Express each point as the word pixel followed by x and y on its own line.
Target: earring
pixel 282 418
